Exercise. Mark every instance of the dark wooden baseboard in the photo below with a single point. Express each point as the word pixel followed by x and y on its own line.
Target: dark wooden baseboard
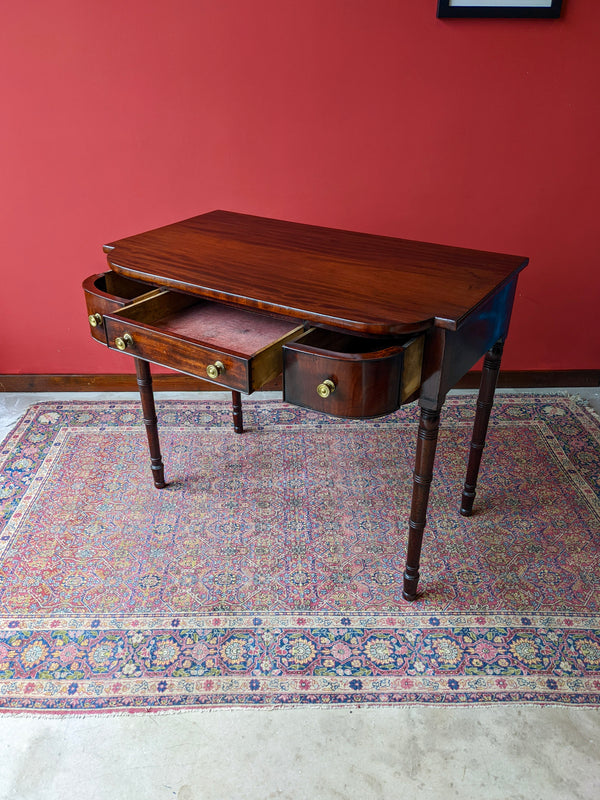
pixel 534 379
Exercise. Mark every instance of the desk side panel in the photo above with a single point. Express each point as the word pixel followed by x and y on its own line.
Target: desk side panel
pixel 449 355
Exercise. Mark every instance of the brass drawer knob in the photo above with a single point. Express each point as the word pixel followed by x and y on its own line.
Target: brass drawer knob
pixel 95 320
pixel 326 388
pixel 123 342
pixel 214 370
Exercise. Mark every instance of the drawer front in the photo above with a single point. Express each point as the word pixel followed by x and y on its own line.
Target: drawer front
pixel 105 293
pixel 172 351
pixel 231 347
pixel 372 382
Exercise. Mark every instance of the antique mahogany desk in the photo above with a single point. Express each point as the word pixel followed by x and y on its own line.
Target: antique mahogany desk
pixel 358 324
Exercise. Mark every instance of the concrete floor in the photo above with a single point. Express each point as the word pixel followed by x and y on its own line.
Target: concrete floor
pixel 495 752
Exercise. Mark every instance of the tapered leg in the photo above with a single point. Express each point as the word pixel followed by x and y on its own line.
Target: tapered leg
pixel 426 445
pixel 238 420
pixel 144 382
pixel 485 401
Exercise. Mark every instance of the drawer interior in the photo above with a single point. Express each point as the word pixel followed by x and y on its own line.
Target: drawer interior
pixel 324 341
pixel 214 324
pixel 119 286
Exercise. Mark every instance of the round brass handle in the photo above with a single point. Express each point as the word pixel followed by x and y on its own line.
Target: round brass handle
pixel 326 388
pixel 214 370
pixel 95 320
pixel 123 342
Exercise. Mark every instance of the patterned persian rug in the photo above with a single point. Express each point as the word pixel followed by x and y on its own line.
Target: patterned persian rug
pixel 268 571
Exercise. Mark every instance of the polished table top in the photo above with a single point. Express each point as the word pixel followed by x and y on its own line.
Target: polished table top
pixel 372 285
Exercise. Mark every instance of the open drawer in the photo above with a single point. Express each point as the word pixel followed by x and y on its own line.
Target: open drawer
pixel 351 376
pixel 107 292
pixel 232 347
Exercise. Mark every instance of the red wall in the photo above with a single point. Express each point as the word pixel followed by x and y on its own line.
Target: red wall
pixel 119 116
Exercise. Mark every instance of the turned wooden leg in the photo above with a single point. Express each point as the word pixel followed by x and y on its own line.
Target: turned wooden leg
pixel 144 382
pixel 238 420
pixel 426 445
pixel 485 401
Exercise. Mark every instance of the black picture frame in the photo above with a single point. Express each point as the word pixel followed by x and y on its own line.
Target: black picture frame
pixel 516 10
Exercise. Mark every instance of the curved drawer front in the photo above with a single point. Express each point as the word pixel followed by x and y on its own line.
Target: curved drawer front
pixel 107 292
pixel 230 347
pixel 350 376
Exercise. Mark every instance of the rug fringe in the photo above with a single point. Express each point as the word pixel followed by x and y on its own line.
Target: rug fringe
pixel 345 708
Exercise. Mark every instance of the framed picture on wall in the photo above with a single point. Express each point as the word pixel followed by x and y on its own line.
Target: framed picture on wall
pixel 542 9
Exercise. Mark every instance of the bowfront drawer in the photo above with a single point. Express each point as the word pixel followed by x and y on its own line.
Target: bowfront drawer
pixel 108 292
pixel 351 376
pixel 231 347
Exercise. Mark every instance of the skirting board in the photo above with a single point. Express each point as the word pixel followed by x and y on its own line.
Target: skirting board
pixel 535 379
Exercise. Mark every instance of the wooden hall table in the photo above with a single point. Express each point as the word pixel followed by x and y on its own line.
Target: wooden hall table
pixel 359 324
